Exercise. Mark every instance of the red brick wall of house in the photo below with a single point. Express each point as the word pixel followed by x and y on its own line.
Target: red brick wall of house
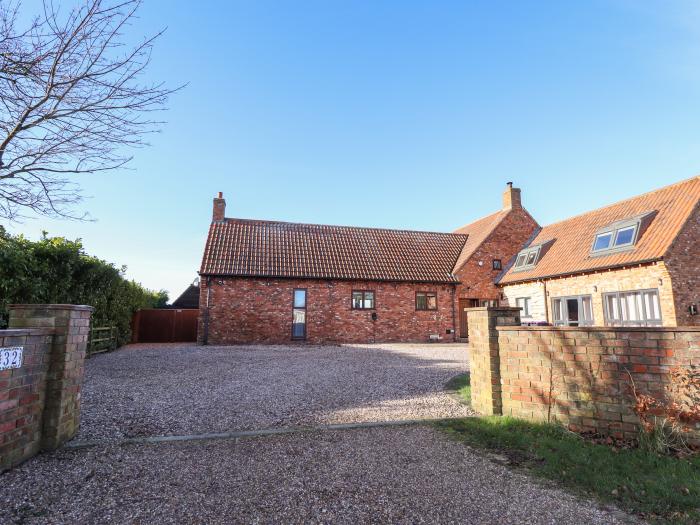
pixel 259 310
pixel 683 263
pixel 503 243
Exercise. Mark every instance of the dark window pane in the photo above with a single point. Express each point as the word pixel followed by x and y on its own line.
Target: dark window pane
pixel 624 236
pixel 299 298
pixel 299 324
pixel 531 257
pixel 421 301
pixel 369 300
pixel 520 261
pixel 432 302
pixel 496 264
pixel 602 241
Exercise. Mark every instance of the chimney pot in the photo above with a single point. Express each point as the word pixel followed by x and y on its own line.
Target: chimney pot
pixel 219 209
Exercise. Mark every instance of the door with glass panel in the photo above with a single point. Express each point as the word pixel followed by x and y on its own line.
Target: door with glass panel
pixel 633 308
pixel 299 314
pixel 576 310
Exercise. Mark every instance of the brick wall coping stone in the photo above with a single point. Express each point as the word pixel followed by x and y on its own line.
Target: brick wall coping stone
pixel 13 332
pixel 78 307
pixel 601 328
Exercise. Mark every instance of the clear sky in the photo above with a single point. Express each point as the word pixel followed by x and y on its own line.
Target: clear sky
pixel 396 114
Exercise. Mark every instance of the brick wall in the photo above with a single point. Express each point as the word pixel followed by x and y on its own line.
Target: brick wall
pixel 40 401
pixel 684 266
pixel 503 243
pixel 578 376
pixel 259 310
pixel 649 276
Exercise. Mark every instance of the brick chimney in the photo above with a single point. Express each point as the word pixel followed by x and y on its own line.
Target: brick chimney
pixel 511 198
pixel 219 208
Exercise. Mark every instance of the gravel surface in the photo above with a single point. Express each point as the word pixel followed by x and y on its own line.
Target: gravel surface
pixel 410 474
pixel 144 390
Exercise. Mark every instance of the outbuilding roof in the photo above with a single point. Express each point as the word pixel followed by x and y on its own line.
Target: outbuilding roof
pixel 663 213
pixel 256 248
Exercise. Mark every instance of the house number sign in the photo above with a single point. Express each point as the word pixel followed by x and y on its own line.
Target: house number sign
pixel 11 357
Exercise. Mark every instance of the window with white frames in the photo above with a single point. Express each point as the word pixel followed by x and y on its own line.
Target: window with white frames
pixel 632 308
pixel 576 310
pixel 527 258
pixel 524 304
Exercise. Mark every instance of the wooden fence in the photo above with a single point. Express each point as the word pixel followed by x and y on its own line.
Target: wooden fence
pixel 167 325
pixel 102 339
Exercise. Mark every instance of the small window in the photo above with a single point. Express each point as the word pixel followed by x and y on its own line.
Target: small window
pixel 299 298
pixel 625 236
pixel 528 258
pixel 497 264
pixel 299 314
pixel 524 303
pixel 426 301
pixel 602 241
pixel 362 300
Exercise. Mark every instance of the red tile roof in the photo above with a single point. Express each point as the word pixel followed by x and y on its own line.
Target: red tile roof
pixel 477 232
pixel 572 238
pixel 240 247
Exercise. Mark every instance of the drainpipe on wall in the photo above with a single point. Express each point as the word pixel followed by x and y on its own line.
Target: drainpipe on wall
pixel 454 320
pixel 205 337
pixel 546 301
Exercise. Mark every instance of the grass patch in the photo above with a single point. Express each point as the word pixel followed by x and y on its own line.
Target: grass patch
pixel 460 385
pixel 660 488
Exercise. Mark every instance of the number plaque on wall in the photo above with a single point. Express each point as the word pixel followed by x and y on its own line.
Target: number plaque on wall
pixel 11 357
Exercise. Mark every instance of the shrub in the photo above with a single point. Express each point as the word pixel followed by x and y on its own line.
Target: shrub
pixel 57 270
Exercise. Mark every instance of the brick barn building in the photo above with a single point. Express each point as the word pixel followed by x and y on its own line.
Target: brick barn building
pixel 276 282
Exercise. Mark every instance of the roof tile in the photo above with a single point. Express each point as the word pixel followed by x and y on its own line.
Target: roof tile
pixel 241 247
pixel 573 238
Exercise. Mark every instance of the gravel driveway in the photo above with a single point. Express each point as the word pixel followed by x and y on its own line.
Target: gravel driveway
pixel 144 390
pixel 380 475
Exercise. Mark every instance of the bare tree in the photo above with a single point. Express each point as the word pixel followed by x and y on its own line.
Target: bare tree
pixel 72 101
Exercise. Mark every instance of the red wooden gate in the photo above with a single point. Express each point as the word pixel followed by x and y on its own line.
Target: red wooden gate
pixel 164 326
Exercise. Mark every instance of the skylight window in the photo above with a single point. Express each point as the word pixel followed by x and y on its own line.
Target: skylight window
pixel 617 237
pixel 527 258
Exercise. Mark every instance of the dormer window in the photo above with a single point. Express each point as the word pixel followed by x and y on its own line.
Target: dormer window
pixel 527 258
pixel 619 236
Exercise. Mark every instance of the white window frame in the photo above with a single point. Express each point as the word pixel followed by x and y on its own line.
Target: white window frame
pixel 563 319
pixel 524 303
pixel 524 255
pixel 642 314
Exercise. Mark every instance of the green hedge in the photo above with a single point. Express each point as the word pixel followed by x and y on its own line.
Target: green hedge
pixel 57 270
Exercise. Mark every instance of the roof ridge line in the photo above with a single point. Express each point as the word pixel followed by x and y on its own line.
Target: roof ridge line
pixel 266 221
pixel 622 201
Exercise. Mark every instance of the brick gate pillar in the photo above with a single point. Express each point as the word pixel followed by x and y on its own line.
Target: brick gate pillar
pixel 71 328
pixel 484 358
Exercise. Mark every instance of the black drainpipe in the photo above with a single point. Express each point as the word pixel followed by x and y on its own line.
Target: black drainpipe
pixel 205 337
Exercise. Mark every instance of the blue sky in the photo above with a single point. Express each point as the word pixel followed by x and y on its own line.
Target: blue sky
pixel 396 114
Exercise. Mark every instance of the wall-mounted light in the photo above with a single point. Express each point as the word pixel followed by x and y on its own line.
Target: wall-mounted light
pixel 595 288
pixel 661 281
pixel 693 309
pixel 481 263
